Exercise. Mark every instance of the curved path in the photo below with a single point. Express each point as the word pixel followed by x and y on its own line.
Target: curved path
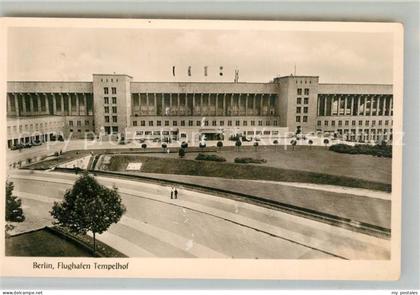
pixel 199 224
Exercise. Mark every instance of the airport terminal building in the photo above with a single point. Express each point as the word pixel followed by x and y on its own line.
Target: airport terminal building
pixel 115 105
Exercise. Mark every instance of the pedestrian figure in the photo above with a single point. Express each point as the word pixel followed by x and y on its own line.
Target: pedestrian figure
pixel 176 193
pixel 172 193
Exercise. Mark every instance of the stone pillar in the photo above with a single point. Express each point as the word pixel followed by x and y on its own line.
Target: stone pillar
pixel 62 103
pixel 163 105
pixel 31 104
pixel 22 98
pixel 338 104
pixel 383 105
pixel 54 104
pixel 364 104
pixel 217 103
pixel 325 105
pixel 246 104
pixel 16 98
pixel 47 105
pixel 155 104
pixel 78 104
pixel 253 105
pixel 38 97
pixel 85 104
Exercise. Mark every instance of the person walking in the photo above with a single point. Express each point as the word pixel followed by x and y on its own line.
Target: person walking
pixel 176 193
pixel 172 193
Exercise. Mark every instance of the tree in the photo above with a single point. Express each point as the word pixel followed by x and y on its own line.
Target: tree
pixel 202 145
pixel 181 153
pixel 88 206
pixel 14 210
pixel 184 145
pixel 164 147
pixel 238 143
pixel 220 145
pixel 310 142
pixel 326 141
pixel 144 146
pixel 293 143
pixel 256 146
pixel 275 142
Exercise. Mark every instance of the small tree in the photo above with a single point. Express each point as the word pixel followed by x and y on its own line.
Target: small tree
pixel 88 206
pixel 326 142
pixel 14 210
pixel 144 146
pixel 256 146
pixel 275 142
pixel 181 153
pixel 202 145
pixel 184 145
pixel 293 143
pixel 164 147
pixel 238 144
pixel 310 142
pixel 220 145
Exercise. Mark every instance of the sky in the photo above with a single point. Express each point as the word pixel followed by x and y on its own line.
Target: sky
pixel 74 54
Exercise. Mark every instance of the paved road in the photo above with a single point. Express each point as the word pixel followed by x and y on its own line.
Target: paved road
pixel 198 224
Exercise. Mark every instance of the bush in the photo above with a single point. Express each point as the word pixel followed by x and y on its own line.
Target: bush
pixel 144 146
pixel 378 150
pixel 204 157
pixel 249 161
pixel 56 154
pixel 181 153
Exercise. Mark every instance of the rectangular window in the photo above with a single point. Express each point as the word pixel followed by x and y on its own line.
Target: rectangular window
pixel 373 122
pixel 106 100
pixel 114 119
pixel 198 123
pixel 158 123
pixel 114 129
pixel 367 122
pixel 267 123
pixel 275 123
pixel 245 123
pixel 190 123
pixel 275 132
pixel 182 123
pixel 325 123
pixel 114 90
pixel 150 123
pixel 105 90
pixel 305 118
pixel 297 118
pixel 360 123
pixel 340 123
pixel 333 123
pixel 318 123
pixel 306 100
pixel 106 110
pixel 206 123
pixel 306 91
pixel 174 123
pixel 222 123
pixel 299 91
pixel 380 122
pixel 353 123
pixel 237 123
pixel 305 110
pixel 79 123
pixel 114 100
pixel 298 110
pixel 86 122
pixel 260 123
pixel 252 123
pixel 386 122
pixel 114 110
pixel 346 123
pixel 266 132
pixel 229 123
pixel 213 123
pixel 70 123
pixel 142 123
pixel 166 123
pixel 299 100
pixel 134 123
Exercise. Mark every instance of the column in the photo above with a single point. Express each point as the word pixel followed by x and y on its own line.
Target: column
pixel 8 106
pixel 338 104
pixel 163 105
pixel 253 105
pixel 378 97
pixel 155 104
pixel 325 104
pixel 224 104
pixel 16 97
pixel 22 97
pixel 54 104
pixel 38 97
pixel 147 103
pixel 346 98
pixel 62 103
pixel 351 105
pixel 77 104
pixel 383 105
pixel 69 104
pixel 85 104
pixel 31 104
pixel 364 104
pixel 217 102
pixel 193 108
pixel 246 104
pixel 47 105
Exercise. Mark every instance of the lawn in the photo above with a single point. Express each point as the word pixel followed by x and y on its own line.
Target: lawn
pixel 43 243
pixel 314 159
pixel 171 165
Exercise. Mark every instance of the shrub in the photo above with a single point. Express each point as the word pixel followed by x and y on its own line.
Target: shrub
pixel 378 150
pixel 204 157
pixel 144 146
pixel 219 144
pixel 56 154
pixel 181 153
pixel 249 161
pixel 202 145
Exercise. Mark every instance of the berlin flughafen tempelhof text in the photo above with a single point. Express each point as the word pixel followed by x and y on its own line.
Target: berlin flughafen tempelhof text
pixel 80 266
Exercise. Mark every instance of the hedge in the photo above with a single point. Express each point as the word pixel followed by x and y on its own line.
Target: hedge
pixel 249 161
pixel 205 157
pixel 379 150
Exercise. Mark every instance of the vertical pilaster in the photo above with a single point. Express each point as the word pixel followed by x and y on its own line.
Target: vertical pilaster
pixel 31 104
pixel 54 103
pixel 217 103
pixel 77 104
pixel 254 105
pixel 47 105
pixel 246 104
pixel 154 103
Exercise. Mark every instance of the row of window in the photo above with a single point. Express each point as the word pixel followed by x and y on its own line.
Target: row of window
pixel 106 109
pixel 305 100
pixel 301 82
pixel 106 80
pixel 207 123
pixel 299 110
pixel 113 90
pixel 78 123
pixel 28 127
pixel 106 100
pixel 353 123
pixel 114 119
pixel 301 119
pixel 305 91
pixel 79 130
pixel 167 132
